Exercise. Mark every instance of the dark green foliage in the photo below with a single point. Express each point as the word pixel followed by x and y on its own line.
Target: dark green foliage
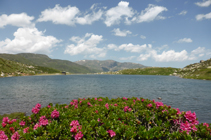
pixel 141 122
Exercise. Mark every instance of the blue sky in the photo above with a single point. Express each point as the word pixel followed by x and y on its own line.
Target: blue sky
pixel 162 33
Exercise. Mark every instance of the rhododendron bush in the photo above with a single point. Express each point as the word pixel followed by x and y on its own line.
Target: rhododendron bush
pixel 101 118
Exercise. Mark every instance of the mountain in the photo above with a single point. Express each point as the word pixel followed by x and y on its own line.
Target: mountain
pixel 108 65
pixel 11 68
pixel 45 61
pixel 201 70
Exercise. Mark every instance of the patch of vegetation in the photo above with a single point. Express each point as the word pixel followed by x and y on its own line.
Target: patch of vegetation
pixel 101 118
pixel 11 68
pixel 15 115
pixel 45 61
pixel 146 71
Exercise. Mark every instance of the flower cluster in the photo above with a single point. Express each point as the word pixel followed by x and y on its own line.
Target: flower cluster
pixel 126 108
pixel 111 133
pixel 36 109
pixel 76 130
pixel 43 121
pixel 6 121
pixel 3 136
pixel 74 103
pixel 55 114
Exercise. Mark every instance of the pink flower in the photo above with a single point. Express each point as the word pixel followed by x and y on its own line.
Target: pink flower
pixel 185 127
pixel 89 104
pixel 99 99
pixel 112 133
pixel 137 99
pixel 36 126
pixel 80 102
pixel 5 119
pixel 126 108
pixel 178 111
pixel 107 105
pixel 3 136
pixel 124 98
pixel 15 136
pixel 96 111
pixel 43 122
pixel 158 104
pixel 55 114
pixel 134 101
pixel 191 116
pixel 14 120
pixel 98 119
pixel 25 130
pixel 149 105
pixel 74 129
pixel 22 123
pixel 3 124
pixel 35 110
pixel 49 106
pixel 66 106
pixel 74 123
pixel 38 106
pixel 129 109
pixel 115 104
pixel 206 124
pixel 95 98
pixel 12 129
pixel 142 100
pixel 78 136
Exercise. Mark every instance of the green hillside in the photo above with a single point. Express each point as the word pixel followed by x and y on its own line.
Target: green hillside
pixel 108 65
pixel 45 61
pixel 11 68
pixel 147 71
pixel 201 70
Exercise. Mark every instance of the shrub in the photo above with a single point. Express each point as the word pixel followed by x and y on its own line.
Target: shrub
pixel 101 118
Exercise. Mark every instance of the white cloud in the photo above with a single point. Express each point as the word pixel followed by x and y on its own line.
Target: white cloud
pixel 112 47
pixel 133 48
pixel 114 15
pixel 202 16
pixel 198 52
pixel 143 57
pixel 127 58
pixel 69 15
pixel 117 32
pixel 170 55
pixel 19 20
pixel 185 40
pixel 91 17
pixel 204 3
pixel 151 13
pixel 183 12
pixel 143 37
pixel 28 40
pixel 86 45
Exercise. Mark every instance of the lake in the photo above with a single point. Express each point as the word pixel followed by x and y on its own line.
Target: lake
pixel 20 94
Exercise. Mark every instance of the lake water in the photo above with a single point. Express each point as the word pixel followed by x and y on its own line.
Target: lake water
pixel 20 94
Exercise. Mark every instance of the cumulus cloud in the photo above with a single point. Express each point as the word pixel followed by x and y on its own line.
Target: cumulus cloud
pixel 69 15
pixel 143 37
pixel 204 3
pixel 151 13
pixel 183 12
pixel 28 40
pixel 133 48
pixel 115 14
pixel 127 58
pixel 113 47
pixel 123 33
pixel 185 40
pixel 202 16
pixel 86 45
pixel 19 20
pixel 198 52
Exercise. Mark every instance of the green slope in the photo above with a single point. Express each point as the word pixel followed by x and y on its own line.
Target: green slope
pixel 201 70
pixel 11 68
pixel 148 71
pixel 45 61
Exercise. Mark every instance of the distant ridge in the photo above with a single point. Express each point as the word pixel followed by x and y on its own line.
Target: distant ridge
pixel 108 65
pixel 45 61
